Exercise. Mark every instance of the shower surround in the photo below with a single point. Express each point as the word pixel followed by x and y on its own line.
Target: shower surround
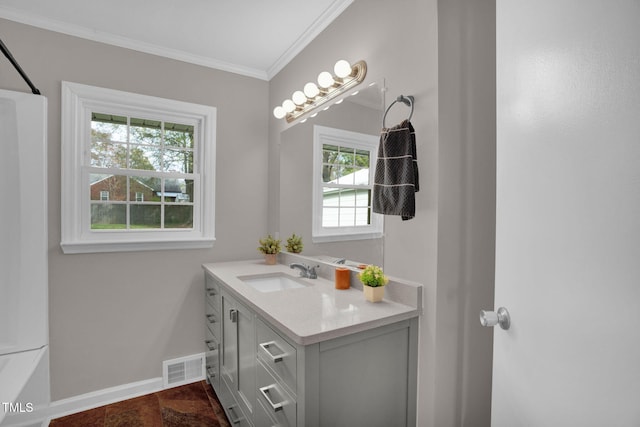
pixel 24 337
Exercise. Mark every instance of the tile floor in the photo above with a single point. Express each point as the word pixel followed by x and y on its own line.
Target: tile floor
pixel 189 405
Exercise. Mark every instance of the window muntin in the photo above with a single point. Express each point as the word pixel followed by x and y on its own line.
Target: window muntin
pixel 129 145
pixel 138 172
pixel 343 171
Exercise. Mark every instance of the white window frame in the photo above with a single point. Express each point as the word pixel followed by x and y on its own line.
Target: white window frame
pixel 326 135
pixel 78 102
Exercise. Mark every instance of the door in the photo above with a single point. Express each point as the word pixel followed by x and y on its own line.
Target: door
pixel 239 353
pixel 568 213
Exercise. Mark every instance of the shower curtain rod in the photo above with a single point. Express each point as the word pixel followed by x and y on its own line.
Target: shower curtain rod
pixel 15 64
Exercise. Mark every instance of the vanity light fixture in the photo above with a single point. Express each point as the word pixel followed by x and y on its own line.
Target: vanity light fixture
pixel 345 76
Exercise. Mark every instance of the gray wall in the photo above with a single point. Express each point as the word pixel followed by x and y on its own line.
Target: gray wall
pixel 115 317
pixel 466 210
pixel 443 53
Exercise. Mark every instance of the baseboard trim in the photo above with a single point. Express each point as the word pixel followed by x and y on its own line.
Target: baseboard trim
pixel 94 399
pixel 105 396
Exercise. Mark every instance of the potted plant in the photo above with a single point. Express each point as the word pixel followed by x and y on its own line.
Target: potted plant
pixel 270 247
pixel 373 281
pixel 294 244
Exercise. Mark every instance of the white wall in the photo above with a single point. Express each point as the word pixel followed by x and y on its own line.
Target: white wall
pixel 115 317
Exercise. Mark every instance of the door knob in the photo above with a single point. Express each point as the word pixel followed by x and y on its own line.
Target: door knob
pixel 492 318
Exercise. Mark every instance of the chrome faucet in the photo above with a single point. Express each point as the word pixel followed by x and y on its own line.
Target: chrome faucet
pixel 305 270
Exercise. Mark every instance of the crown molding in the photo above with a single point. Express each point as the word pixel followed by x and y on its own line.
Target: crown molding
pixel 127 43
pixel 311 33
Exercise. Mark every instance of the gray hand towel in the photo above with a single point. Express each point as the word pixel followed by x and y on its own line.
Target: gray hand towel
pixel 396 178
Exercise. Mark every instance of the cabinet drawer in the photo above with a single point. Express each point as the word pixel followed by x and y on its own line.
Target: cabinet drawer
pixel 273 401
pixel 231 408
pixel 213 320
pixel 212 360
pixel 277 354
pixel 212 290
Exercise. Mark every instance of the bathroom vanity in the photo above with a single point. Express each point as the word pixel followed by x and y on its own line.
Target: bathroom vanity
pixel 298 352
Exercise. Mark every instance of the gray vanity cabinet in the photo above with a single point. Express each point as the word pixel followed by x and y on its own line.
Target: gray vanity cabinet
pixel 367 378
pixel 230 355
pixel 213 341
pixel 266 379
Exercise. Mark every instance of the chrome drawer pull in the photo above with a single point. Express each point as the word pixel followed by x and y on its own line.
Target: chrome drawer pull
pixel 211 372
pixel 212 292
pixel 275 406
pixel 211 318
pixel 274 357
pixel 234 419
pixel 210 346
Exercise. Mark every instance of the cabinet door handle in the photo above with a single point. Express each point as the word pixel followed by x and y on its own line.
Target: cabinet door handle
pixel 233 315
pixel 211 318
pixel 212 292
pixel 275 406
pixel 233 417
pixel 274 357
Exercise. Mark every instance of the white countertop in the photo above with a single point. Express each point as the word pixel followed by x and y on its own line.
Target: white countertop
pixel 313 313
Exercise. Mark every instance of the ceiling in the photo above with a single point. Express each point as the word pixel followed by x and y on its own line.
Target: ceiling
pixel 256 38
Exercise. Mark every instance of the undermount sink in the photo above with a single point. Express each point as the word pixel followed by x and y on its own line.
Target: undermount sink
pixel 272 282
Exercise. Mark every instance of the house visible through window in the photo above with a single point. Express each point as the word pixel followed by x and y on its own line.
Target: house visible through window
pixel 126 146
pixel 145 167
pixel 343 171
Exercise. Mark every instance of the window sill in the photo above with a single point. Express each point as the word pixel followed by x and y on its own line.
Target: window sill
pixel 345 237
pixel 134 246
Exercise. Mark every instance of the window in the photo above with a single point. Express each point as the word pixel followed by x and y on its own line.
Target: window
pixel 343 170
pixel 137 172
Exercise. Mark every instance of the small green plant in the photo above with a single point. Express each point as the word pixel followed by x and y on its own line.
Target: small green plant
pixel 294 244
pixel 373 276
pixel 269 245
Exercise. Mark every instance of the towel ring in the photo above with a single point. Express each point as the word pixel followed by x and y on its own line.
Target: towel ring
pixel 407 100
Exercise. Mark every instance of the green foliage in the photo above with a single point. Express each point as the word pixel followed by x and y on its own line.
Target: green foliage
pixel 373 276
pixel 340 161
pixel 269 245
pixel 294 244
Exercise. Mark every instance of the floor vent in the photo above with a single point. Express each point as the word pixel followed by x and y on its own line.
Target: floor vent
pixel 183 370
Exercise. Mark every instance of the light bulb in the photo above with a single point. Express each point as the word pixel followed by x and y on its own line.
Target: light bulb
pixel 299 97
pixel 325 80
pixel 311 90
pixel 279 112
pixel 342 69
pixel 288 106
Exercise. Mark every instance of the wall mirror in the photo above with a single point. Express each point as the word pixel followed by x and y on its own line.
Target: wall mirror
pixel 360 113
